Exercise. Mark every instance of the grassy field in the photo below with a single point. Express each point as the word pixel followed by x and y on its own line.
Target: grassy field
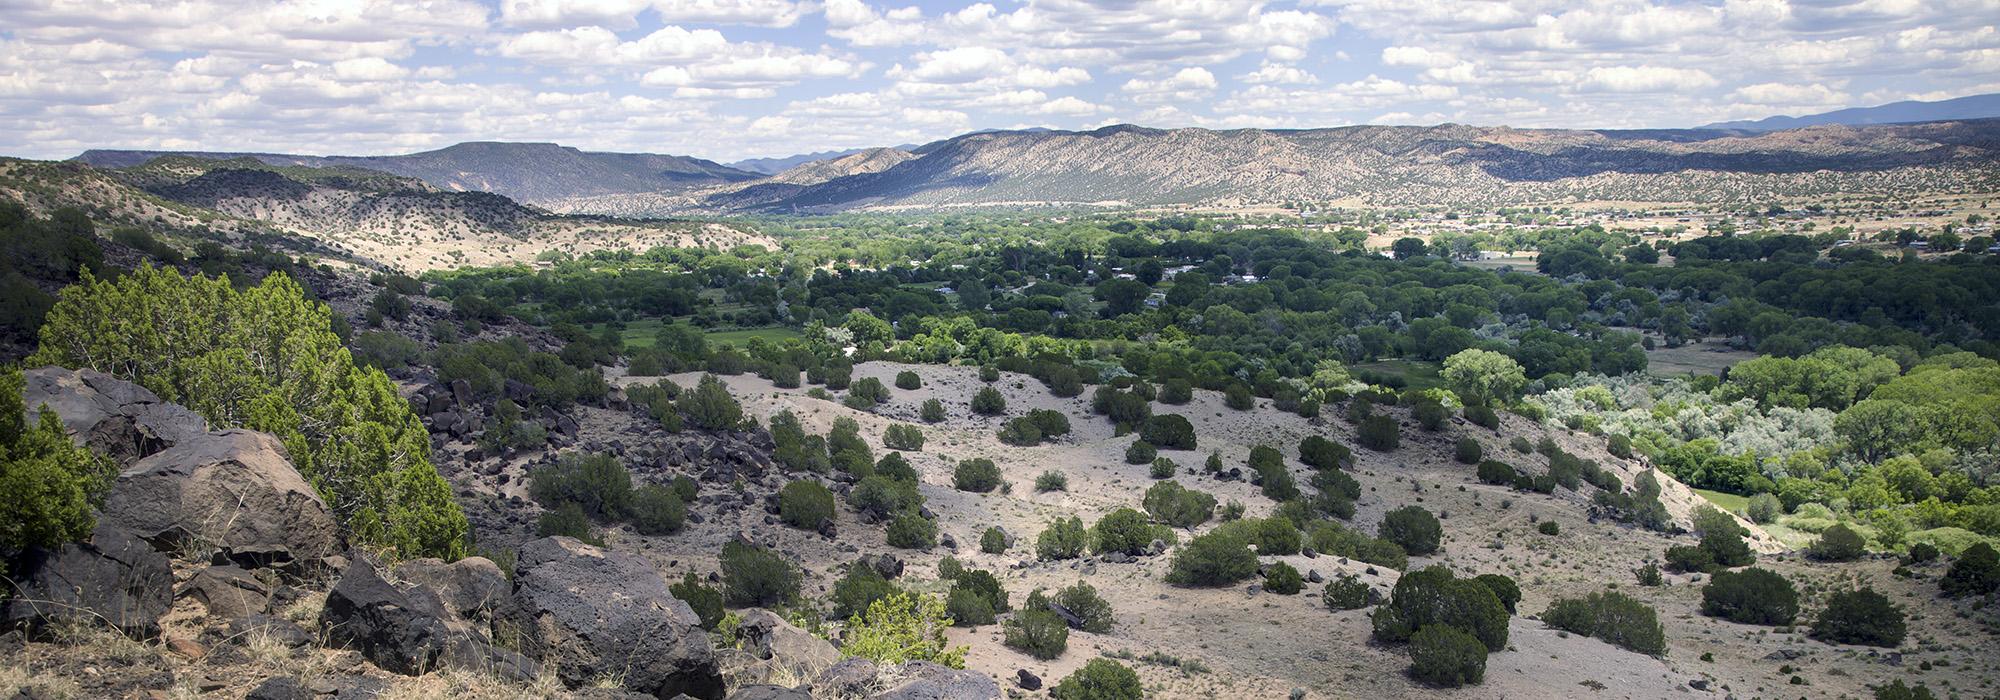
pixel 741 337
pixel 639 334
pixel 1703 357
pixel 1726 501
pixel 1419 373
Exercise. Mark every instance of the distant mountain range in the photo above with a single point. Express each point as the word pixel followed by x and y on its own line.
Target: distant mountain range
pixel 530 172
pixel 1450 165
pixel 1970 107
pixel 1124 165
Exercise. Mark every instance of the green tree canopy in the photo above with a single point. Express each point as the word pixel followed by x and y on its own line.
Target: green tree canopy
pixel 1484 376
pixel 266 358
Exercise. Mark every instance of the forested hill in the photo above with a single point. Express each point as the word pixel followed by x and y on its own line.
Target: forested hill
pixel 1398 165
pixel 529 172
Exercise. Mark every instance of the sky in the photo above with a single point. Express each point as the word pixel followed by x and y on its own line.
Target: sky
pixel 733 79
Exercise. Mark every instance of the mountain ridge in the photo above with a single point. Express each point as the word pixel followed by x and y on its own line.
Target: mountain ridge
pixel 1904 112
pixel 1447 164
pixel 530 172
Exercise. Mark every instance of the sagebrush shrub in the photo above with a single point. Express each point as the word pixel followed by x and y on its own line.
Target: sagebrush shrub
pixel 993 541
pixel 1212 559
pixel 911 530
pixel 1433 596
pixel 1413 528
pixel 1347 592
pixel 1170 431
pixel 1038 632
pixel 657 510
pixel 1170 503
pixel 858 589
pixel 1083 601
pixel 1379 433
pixel 805 504
pixel 755 576
pixel 1100 679
pixel 988 402
pixel 1123 530
pixel 1140 452
pixel 1975 572
pixel 978 475
pixel 903 437
pixel 1838 543
pixel 1468 451
pixel 1860 616
pixel 1614 617
pixel 1752 596
pixel 1052 480
pixel 902 627
pixel 1281 578
pixel 1065 538
pixel 1447 657
pixel 703 598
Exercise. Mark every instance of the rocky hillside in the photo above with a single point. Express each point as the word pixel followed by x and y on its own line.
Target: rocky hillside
pixel 529 172
pixel 398 222
pixel 755 194
pixel 1396 165
pixel 215 570
pixel 773 166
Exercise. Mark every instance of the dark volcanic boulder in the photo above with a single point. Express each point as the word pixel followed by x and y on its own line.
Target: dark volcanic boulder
pixel 591 613
pixel 470 587
pixel 234 490
pixel 117 418
pixel 114 577
pixel 923 680
pixel 408 628
pixel 769 692
pixel 229 592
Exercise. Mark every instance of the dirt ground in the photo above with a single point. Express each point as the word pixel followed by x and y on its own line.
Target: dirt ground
pixel 1265 645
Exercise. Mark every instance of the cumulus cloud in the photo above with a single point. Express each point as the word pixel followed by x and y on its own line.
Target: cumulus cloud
pixel 1645 79
pixel 1784 94
pixel 729 78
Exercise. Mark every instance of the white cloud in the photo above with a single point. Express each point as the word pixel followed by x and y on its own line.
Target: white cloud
pixel 542 14
pixel 1278 74
pixel 764 13
pixel 1788 95
pixel 1417 56
pixel 370 69
pixel 1645 79
pixel 1070 106
pixel 696 75
pixel 1185 85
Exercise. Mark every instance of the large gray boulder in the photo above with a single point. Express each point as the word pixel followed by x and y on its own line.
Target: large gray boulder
pixel 771 650
pixel 472 587
pixel 408 628
pixel 590 613
pixel 117 418
pixel 229 592
pixel 923 680
pixel 770 638
pixel 112 578
pixel 234 491
pixel 913 680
